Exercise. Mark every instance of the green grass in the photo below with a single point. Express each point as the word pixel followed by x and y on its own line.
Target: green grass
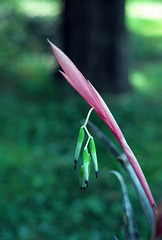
pixel 40 194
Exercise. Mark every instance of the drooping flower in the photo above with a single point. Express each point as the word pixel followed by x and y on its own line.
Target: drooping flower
pixel 94 155
pixel 79 145
pixel 89 93
pixel 86 165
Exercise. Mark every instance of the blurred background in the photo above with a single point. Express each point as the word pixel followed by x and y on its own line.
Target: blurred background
pixel 118 46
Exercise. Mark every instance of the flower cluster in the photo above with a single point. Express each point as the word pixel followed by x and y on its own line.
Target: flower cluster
pixel 89 152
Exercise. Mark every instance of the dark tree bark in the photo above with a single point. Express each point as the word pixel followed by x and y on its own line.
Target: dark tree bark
pixel 95 40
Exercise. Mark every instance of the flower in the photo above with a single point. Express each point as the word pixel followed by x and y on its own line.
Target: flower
pixel 89 93
pixel 79 145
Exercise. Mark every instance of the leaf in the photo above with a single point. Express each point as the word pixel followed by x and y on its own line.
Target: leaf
pixel 130 227
pixel 140 192
pixel 115 237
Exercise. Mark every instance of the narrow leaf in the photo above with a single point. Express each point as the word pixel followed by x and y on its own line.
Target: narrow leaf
pixel 115 237
pixel 130 227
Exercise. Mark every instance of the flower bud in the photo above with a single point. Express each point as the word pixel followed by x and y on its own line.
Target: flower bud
pixel 82 182
pixel 79 145
pixel 94 155
pixel 86 165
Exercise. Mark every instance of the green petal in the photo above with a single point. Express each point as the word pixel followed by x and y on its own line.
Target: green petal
pixel 94 155
pixel 79 145
pixel 86 165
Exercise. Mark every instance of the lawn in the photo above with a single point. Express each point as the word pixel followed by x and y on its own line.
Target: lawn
pixel 40 192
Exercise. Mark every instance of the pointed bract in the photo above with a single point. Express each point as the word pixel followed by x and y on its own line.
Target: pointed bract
pixel 85 89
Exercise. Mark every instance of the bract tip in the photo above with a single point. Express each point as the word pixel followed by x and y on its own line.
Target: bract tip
pixel 49 41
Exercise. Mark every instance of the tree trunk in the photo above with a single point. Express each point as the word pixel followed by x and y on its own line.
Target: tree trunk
pixel 95 40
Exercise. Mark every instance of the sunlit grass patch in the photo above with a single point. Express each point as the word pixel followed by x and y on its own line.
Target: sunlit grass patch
pixel 145 27
pixel 147 78
pixel 145 10
pixel 144 21
pixel 35 8
pixel 144 17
